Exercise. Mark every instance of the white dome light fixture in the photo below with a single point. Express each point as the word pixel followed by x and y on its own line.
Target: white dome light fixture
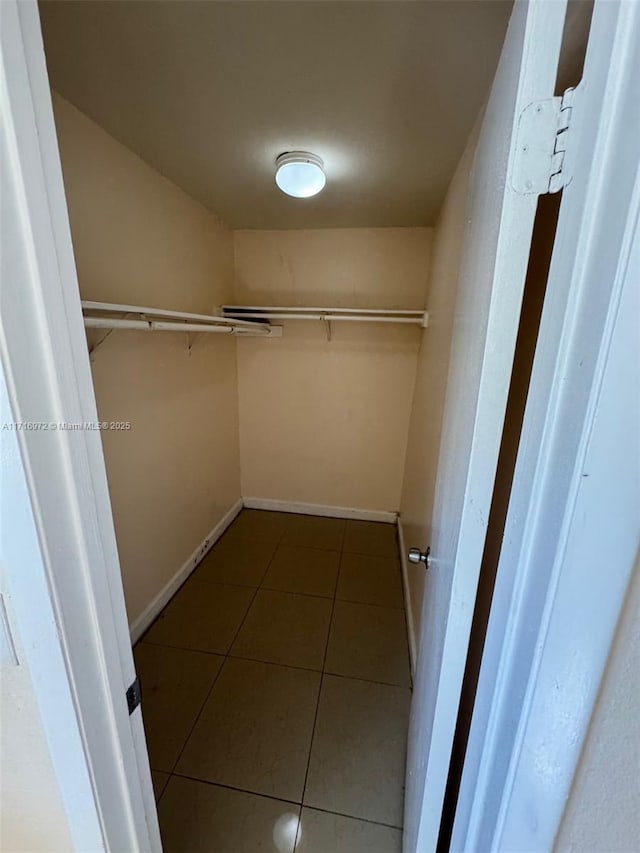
pixel 300 174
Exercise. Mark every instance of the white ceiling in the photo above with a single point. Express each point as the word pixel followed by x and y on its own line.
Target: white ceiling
pixel 209 93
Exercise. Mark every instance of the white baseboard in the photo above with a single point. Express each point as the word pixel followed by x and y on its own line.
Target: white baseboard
pixel 140 625
pixel 320 509
pixel 411 632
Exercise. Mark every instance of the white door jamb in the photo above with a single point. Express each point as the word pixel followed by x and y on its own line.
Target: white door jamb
pixel 572 531
pixel 48 378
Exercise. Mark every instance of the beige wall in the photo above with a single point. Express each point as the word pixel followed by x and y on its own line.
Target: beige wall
pixel 602 814
pixel 32 817
pixel 421 461
pixel 326 422
pixel 138 239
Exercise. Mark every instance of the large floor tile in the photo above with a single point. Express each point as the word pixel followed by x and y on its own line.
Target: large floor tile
pixel 255 730
pixel 370 580
pixel 202 616
pixel 256 525
pixel 285 628
pixel 370 537
pixel 369 642
pixel 244 562
pixel 159 781
pixel 313 531
pixel 323 832
pixel 357 761
pixel 312 571
pixel 200 818
pixel 175 683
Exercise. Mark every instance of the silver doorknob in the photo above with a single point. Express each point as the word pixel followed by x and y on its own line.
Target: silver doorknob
pixel 418 556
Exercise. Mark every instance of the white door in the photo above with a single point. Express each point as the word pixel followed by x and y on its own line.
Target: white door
pixel 507 175
pixel 572 533
pixel 64 578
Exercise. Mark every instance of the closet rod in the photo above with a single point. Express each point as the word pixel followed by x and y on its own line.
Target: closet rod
pixel 349 318
pixel 117 308
pixel 304 310
pixel 164 326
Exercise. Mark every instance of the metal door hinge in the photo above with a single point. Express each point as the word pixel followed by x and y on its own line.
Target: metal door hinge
pixel 134 695
pixel 539 165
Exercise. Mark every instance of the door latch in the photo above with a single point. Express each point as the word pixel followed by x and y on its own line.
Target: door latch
pixel 417 556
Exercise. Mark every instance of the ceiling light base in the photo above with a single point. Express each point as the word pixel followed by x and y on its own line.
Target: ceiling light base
pixel 300 174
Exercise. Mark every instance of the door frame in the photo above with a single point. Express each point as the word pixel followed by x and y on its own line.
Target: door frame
pixel 499 225
pixel 555 610
pixel 63 575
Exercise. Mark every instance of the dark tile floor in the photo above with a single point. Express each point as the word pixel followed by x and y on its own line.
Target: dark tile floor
pixel 276 692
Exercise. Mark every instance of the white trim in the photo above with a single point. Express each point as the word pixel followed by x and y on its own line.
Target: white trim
pixel 583 604
pixel 496 243
pixel 554 610
pixel 142 622
pixel 320 509
pixel 34 624
pixel 46 365
pixel 411 629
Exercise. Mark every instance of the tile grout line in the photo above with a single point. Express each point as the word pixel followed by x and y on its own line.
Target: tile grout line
pixel 289 592
pixel 222 665
pixel 217 675
pixel 322 674
pixel 355 817
pixel 274 663
pixel 296 592
pixel 191 575
pixel 280 800
pixel 239 790
pixel 228 655
pixel 164 787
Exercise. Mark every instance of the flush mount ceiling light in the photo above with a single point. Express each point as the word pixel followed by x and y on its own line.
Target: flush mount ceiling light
pixel 300 174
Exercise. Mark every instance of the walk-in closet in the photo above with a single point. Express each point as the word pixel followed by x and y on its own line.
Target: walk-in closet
pixel 305 287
